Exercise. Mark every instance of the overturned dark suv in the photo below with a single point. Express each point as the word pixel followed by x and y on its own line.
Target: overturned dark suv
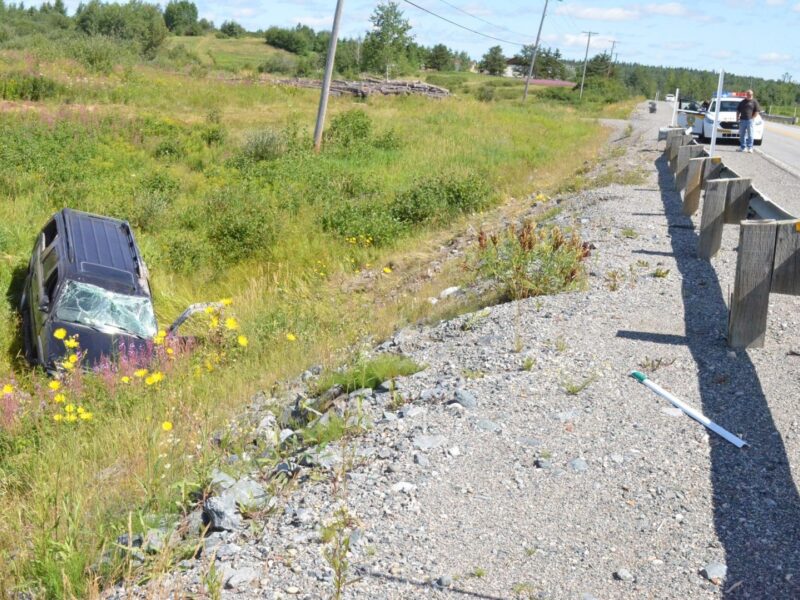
pixel 86 276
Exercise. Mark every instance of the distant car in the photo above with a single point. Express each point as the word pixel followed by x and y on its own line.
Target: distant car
pixel 86 276
pixel 670 97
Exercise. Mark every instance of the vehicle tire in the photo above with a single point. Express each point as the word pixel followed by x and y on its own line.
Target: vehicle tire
pixel 758 142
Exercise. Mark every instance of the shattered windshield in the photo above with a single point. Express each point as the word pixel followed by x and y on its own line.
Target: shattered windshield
pixel 94 306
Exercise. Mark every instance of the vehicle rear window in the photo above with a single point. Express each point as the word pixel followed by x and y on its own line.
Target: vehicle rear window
pixel 94 306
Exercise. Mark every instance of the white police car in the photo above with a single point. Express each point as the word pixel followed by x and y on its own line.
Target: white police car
pixel 728 126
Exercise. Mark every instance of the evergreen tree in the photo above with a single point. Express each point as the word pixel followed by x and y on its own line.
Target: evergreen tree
pixel 440 58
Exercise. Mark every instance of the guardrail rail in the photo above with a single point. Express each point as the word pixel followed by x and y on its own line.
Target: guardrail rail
pixel 768 257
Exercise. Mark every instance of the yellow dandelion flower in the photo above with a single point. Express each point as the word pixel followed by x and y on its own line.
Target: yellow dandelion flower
pixel 125 379
pixel 59 398
pixel 209 310
pixel 81 410
pixel 69 408
pixel 58 418
pixel 170 351
pixel 214 322
pixel 149 380
pixel 8 389
pixel 158 341
pixel 71 343
pixel 73 358
pixel 157 376
pixel 243 341
pixel 226 301
pixel 87 416
pixel 209 366
pixel 68 365
pixel 140 373
pixel 387 270
pixel 231 323
pixel 71 418
pixel 54 385
pixel 166 425
pixel 60 333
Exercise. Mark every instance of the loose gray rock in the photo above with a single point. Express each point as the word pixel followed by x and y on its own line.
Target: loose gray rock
pixel 578 465
pixel 220 514
pixel 623 575
pixel 531 442
pixel 487 425
pixel 240 578
pixel 465 399
pixel 428 442
pixel 715 572
pixel 221 480
pixel 444 581
pixel 543 463
pixel 246 493
pixel 422 460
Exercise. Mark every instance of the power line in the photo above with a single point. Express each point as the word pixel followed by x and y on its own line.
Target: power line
pixel 491 37
pixel 469 14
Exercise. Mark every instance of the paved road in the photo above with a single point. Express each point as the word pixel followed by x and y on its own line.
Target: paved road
pixel 783 143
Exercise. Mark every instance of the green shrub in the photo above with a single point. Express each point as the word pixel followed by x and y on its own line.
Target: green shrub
pixel 240 224
pixel 362 220
pixel 388 140
pixel 213 134
pixel 170 149
pixel 283 64
pixel 526 261
pixel 24 86
pixel 485 93
pixel 136 21
pixel 267 144
pixel 436 199
pixel 349 128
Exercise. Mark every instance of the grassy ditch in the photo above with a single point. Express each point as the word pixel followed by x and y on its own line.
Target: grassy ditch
pixel 228 201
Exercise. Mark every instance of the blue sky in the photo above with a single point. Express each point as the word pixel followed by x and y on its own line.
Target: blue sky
pixel 755 37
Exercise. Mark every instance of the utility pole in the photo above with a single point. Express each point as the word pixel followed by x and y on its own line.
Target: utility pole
pixel 586 59
pixel 611 58
pixel 326 82
pixel 535 51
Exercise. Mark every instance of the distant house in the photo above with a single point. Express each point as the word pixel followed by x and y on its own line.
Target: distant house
pixel 515 67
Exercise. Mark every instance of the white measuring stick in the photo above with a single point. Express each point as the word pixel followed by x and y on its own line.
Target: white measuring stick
pixel 692 412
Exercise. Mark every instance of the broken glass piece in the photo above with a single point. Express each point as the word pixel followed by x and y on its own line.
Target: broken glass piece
pixel 94 306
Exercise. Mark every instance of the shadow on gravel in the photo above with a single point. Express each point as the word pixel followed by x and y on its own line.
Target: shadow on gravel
pixel 756 503
pixel 422 585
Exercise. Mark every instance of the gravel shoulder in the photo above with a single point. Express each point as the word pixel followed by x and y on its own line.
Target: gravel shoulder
pixel 565 479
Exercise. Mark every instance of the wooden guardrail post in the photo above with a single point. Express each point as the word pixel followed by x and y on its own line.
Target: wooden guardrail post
pixel 685 153
pixel 698 172
pixel 747 321
pixel 737 201
pixel 786 271
pixel 712 218
pixel 726 202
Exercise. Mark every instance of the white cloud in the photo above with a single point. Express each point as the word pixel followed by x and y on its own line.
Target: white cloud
pixel 667 9
pixel 774 57
pixel 776 2
pixel 679 45
pixel 796 8
pixel 722 54
pixel 244 12
pixel 599 14
pixel 314 22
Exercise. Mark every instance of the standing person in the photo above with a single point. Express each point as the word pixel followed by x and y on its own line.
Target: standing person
pixel 747 111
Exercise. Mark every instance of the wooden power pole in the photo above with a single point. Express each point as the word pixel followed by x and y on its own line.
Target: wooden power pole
pixel 326 82
pixel 586 59
pixel 535 51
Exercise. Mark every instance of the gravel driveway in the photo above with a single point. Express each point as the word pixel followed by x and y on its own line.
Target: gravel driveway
pixel 527 463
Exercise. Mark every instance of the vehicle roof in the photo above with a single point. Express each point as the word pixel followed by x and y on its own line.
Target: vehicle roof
pixel 100 250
